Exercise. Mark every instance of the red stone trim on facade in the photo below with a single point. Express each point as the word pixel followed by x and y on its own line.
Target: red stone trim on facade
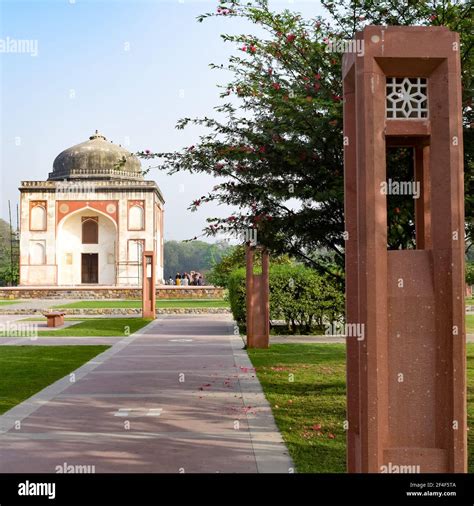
pixel 66 207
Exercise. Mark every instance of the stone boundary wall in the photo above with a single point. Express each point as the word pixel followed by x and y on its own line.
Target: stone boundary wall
pixel 162 292
pixel 115 311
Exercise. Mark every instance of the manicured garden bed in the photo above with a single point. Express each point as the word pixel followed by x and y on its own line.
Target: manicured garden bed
pixel 28 369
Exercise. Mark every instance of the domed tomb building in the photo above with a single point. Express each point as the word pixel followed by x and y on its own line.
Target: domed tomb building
pixel 89 223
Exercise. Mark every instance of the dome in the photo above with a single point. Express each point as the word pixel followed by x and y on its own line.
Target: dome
pixel 96 158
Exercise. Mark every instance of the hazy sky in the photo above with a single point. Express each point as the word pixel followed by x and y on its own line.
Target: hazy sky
pixel 129 68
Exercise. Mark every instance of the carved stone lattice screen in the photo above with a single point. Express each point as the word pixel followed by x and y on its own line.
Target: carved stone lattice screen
pixel 407 97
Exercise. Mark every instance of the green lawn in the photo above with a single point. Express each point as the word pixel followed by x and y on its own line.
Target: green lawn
pixel 106 327
pixel 161 304
pixel 28 369
pixel 310 410
pixel 470 323
pixel 7 302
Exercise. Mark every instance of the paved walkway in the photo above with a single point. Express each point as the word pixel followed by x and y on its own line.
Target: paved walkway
pixel 178 396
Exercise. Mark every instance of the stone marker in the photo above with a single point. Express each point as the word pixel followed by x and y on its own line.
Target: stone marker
pixel 258 300
pixel 406 378
pixel 149 282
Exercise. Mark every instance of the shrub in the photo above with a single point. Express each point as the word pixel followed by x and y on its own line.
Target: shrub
pixel 233 260
pixel 298 295
pixel 236 287
pixel 470 273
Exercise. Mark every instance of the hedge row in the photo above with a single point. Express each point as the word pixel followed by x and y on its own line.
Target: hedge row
pixel 298 295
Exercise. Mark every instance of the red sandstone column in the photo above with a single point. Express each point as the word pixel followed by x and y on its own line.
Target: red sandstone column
pixel 257 300
pixel 249 291
pixel 351 259
pixel 406 379
pixel 149 285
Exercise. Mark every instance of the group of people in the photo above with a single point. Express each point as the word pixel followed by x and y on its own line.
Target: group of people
pixel 187 279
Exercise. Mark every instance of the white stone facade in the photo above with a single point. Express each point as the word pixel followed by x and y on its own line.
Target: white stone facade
pixel 123 218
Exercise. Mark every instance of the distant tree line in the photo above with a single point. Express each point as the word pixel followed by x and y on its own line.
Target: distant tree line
pixel 186 256
pixel 8 264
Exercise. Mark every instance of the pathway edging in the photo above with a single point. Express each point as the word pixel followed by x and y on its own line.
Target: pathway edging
pixel 271 453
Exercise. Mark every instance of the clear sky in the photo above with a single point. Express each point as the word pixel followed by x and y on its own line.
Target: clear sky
pixel 130 68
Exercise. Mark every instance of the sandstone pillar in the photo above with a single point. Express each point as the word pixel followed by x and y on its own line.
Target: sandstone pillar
pixel 406 378
pixel 258 300
pixel 149 285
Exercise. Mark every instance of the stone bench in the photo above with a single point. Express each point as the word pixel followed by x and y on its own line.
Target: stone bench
pixel 55 319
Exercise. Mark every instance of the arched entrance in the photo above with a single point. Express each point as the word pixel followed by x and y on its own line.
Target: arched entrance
pixel 86 249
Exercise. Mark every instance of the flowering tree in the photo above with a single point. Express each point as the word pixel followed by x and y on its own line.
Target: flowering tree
pixel 279 145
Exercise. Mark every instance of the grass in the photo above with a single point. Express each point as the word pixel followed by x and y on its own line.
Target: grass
pixel 161 304
pixel 470 323
pixel 106 327
pixel 317 396
pixel 469 301
pixel 8 302
pixel 470 407
pixel 28 369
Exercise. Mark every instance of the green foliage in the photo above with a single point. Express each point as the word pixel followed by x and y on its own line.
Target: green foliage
pixel 236 287
pixel 220 272
pixel 9 274
pixel 401 232
pixel 470 273
pixel 186 256
pixel 234 259
pixel 303 298
pixel 298 295
pixel 281 136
